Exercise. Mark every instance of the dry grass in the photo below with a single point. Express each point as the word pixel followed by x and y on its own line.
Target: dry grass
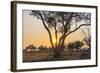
pixel 46 56
pixel 36 56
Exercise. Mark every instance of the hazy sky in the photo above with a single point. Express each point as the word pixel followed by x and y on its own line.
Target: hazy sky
pixel 35 33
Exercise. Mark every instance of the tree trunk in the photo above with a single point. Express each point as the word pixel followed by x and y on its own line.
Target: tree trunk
pixel 50 37
pixel 56 44
pixel 63 41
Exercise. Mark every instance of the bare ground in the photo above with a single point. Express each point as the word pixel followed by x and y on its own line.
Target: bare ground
pixel 48 56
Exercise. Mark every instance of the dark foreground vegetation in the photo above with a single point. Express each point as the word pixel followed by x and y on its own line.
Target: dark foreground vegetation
pixel 48 54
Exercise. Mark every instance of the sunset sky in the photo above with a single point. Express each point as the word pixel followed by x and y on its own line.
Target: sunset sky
pixel 35 33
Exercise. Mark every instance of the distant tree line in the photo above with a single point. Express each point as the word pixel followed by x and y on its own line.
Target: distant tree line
pixel 71 46
pixel 41 48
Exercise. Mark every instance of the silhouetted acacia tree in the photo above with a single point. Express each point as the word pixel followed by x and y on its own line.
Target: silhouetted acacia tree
pixel 63 23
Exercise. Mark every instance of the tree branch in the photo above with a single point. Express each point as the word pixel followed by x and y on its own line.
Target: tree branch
pixel 63 20
pixel 67 25
pixel 64 37
pixel 66 28
pixel 77 28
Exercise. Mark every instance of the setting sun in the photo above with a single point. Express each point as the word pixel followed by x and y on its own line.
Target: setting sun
pixel 54 40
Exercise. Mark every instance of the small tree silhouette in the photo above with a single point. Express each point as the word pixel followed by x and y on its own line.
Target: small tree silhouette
pixel 31 47
pixel 75 45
